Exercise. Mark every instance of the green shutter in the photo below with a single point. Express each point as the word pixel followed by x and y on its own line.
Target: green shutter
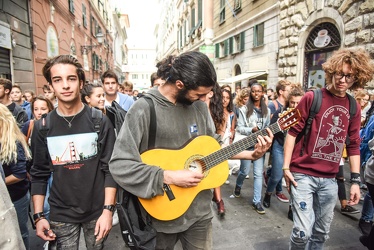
pixel 217 50
pixel 242 41
pixel 231 45
pixel 226 46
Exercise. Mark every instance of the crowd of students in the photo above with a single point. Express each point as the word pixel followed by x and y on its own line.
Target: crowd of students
pixel 77 161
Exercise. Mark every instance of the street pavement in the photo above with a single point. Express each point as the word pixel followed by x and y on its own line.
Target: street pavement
pixel 243 228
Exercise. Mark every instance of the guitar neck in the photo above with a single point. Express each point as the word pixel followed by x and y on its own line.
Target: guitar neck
pixel 237 147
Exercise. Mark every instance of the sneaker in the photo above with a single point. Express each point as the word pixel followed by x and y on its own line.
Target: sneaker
pixel 266 178
pixel 266 201
pixel 259 209
pixel 220 208
pixel 365 226
pixel 237 191
pixel 349 210
pixel 282 197
pixel 115 219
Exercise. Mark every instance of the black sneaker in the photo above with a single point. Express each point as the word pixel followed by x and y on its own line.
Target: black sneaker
pixel 364 239
pixel 349 210
pixel 266 201
pixel 365 226
pixel 237 191
pixel 259 209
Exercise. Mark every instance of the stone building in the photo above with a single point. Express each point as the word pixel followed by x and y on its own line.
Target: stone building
pixel 311 30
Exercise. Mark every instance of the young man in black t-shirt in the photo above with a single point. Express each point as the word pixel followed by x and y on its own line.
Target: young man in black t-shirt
pixel 83 190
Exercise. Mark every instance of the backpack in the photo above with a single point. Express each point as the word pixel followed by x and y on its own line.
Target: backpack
pixel 18 111
pixel 136 232
pixel 314 109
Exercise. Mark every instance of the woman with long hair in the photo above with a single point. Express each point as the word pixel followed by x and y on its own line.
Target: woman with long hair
pixel 14 152
pixel 253 117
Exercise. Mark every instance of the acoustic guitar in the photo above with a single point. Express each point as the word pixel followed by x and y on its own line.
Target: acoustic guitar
pixel 202 154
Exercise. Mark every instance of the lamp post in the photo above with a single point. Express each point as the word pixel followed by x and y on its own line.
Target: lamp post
pixel 86 48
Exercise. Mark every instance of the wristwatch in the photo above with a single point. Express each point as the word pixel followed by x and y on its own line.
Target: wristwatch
pixel 109 207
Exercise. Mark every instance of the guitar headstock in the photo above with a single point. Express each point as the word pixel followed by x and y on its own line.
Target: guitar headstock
pixel 288 118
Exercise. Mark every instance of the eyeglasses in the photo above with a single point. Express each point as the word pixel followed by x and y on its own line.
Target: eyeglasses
pixel 348 77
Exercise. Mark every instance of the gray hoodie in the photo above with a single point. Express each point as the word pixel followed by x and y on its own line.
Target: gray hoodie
pixel 176 124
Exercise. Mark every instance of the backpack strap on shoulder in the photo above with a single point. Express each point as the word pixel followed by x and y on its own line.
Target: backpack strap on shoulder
pixel 97 117
pixel 43 126
pixel 314 109
pixel 352 112
pixel 152 125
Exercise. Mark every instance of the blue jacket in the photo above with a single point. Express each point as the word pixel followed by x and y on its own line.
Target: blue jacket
pixel 125 101
pixel 27 107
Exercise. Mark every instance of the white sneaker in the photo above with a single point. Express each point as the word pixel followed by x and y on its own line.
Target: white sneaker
pixel 115 220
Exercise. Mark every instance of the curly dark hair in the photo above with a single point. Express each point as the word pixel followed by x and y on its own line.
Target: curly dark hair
pixel 357 58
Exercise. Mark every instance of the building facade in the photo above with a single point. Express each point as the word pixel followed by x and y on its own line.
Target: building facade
pixel 246 42
pixel 78 28
pixel 16 61
pixel 311 30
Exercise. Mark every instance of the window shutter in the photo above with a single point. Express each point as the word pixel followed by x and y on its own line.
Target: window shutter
pixel 217 50
pixel 242 41
pixel 231 45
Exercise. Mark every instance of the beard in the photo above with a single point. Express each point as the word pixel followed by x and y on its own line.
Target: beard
pixel 182 99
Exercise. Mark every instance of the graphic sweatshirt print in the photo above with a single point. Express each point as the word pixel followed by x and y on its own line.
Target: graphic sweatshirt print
pixel 78 158
pixel 327 136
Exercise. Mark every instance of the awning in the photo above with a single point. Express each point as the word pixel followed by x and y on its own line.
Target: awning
pixel 245 75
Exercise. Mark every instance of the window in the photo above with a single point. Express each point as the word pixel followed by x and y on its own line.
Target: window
pixel 71 6
pixel 135 76
pixel 222 11
pixel 192 18
pixel 237 5
pixel 258 35
pixel 200 10
pixel 95 62
pixel 84 16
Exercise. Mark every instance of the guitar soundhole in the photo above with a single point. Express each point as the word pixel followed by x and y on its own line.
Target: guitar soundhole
pixel 195 164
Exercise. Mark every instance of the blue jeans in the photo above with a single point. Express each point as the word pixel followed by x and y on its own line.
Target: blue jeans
pixel 245 167
pixel 367 208
pixel 67 235
pixel 22 209
pixel 312 202
pixel 275 180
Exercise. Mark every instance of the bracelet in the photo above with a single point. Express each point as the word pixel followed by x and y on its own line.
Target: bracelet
pixel 285 168
pixel 38 215
pixel 39 219
pixel 355 178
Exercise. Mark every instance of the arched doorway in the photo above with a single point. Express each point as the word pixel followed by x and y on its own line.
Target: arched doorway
pixel 321 42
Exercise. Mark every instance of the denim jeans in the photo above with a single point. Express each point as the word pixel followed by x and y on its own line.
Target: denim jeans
pixel 258 166
pixel 275 179
pixel 312 202
pixel 367 208
pixel 22 209
pixel 67 235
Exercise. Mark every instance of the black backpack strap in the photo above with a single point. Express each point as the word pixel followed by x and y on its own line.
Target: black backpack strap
pixel 314 109
pixel 43 126
pixel 97 116
pixel 352 112
pixel 152 125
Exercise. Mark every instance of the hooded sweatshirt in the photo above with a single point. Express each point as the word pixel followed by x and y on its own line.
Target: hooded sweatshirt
pixel 176 124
